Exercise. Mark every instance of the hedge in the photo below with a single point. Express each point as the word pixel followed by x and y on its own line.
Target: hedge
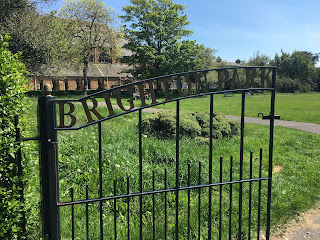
pixel 12 82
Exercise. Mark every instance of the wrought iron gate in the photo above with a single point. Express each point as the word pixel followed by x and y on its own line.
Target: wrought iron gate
pixel 179 199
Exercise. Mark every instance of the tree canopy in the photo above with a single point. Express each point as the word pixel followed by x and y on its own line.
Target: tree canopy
pixel 89 27
pixel 29 31
pixel 155 29
pixel 258 60
pixel 297 65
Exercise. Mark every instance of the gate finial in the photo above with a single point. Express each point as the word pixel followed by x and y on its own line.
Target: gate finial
pixel 47 90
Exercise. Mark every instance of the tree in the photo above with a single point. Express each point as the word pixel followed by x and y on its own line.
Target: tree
pixel 89 23
pixel 155 28
pixel 297 66
pixel 29 31
pixel 258 60
pixel 314 56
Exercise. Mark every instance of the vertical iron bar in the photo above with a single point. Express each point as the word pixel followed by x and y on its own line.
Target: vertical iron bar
pixel 165 204
pixel 230 199
pixel 250 198
pixel 115 208
pixel 259 195
pixel 241 162
pixel 210 167
pixel 100 180
pixel 140 169
pixel 20 177
pixel 72 215
pixel 188 201
pixel 128 208
pixel 87 212
pixel 177 167
pixel 273 95
pixel 220 200
pixel 199 202
pixel 153 214
pixel 49 168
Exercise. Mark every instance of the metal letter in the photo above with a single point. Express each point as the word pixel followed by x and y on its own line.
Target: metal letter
pixel 179 87
pixel 108 102
pixel 223 76
pixel 62 114
pixel 153 94
pixel 166 88
pixel 142 97
pixel 234 78
pixel 118 96
pixel 250 75
pixel 265 76
pixel 200 84
pixel 93 109
pixel 189 84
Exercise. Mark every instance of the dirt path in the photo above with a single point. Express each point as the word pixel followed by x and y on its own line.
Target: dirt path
pixel 307 226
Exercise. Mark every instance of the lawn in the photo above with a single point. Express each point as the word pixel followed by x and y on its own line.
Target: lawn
pixel 295 186
pixel 303 107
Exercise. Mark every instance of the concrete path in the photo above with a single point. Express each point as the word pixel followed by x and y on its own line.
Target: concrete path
pixel 307 127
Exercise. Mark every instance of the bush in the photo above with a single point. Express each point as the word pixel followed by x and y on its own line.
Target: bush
pixel 289 85
pixel 12 81
pixel 192 125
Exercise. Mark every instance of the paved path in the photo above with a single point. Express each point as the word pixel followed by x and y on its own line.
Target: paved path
pixel 307 127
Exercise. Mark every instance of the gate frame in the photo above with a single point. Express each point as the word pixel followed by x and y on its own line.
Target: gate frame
pixel 49 168
pixel 49 157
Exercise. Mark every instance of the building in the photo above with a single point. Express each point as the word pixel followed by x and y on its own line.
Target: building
pixel 104 72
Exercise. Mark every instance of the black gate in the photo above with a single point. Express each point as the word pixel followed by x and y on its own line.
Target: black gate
pixel 227 205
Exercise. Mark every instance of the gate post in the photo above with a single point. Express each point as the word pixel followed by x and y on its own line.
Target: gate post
pixel 48 168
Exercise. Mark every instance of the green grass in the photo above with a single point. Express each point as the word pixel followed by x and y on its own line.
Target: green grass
pixel 293 107
pixel 295 187
pixel 303 107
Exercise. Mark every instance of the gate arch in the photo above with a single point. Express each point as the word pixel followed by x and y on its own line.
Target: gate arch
pixel 58 115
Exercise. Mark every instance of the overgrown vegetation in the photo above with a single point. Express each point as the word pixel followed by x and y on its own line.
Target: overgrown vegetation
pixel 12 81
pixel 192 125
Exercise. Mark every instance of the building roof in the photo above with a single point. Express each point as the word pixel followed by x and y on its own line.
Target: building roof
pixel 94 70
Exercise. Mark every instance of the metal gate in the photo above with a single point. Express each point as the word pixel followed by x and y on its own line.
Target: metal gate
pixel 188 208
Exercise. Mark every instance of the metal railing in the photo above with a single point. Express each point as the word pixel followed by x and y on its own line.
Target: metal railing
pixel 49 162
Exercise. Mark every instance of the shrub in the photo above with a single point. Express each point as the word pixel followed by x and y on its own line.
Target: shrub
pixel 12 81
pixel 289 85
pixel 192 125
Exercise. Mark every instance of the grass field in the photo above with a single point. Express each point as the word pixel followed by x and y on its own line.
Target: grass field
pixel 303 107
pixel 293 107
pixel 295 186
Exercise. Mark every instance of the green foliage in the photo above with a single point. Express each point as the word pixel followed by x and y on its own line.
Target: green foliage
pixel 155 28
pixel 31 31
pixel 297 66
pixel 289 85
pixel 258 60
pixel 88 24
pixel 192 124
pixel 12 81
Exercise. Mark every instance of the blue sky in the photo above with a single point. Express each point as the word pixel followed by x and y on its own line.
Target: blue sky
pixel 237 29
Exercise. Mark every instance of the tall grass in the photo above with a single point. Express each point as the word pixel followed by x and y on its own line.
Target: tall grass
pixel 295 187
pixel 79 166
